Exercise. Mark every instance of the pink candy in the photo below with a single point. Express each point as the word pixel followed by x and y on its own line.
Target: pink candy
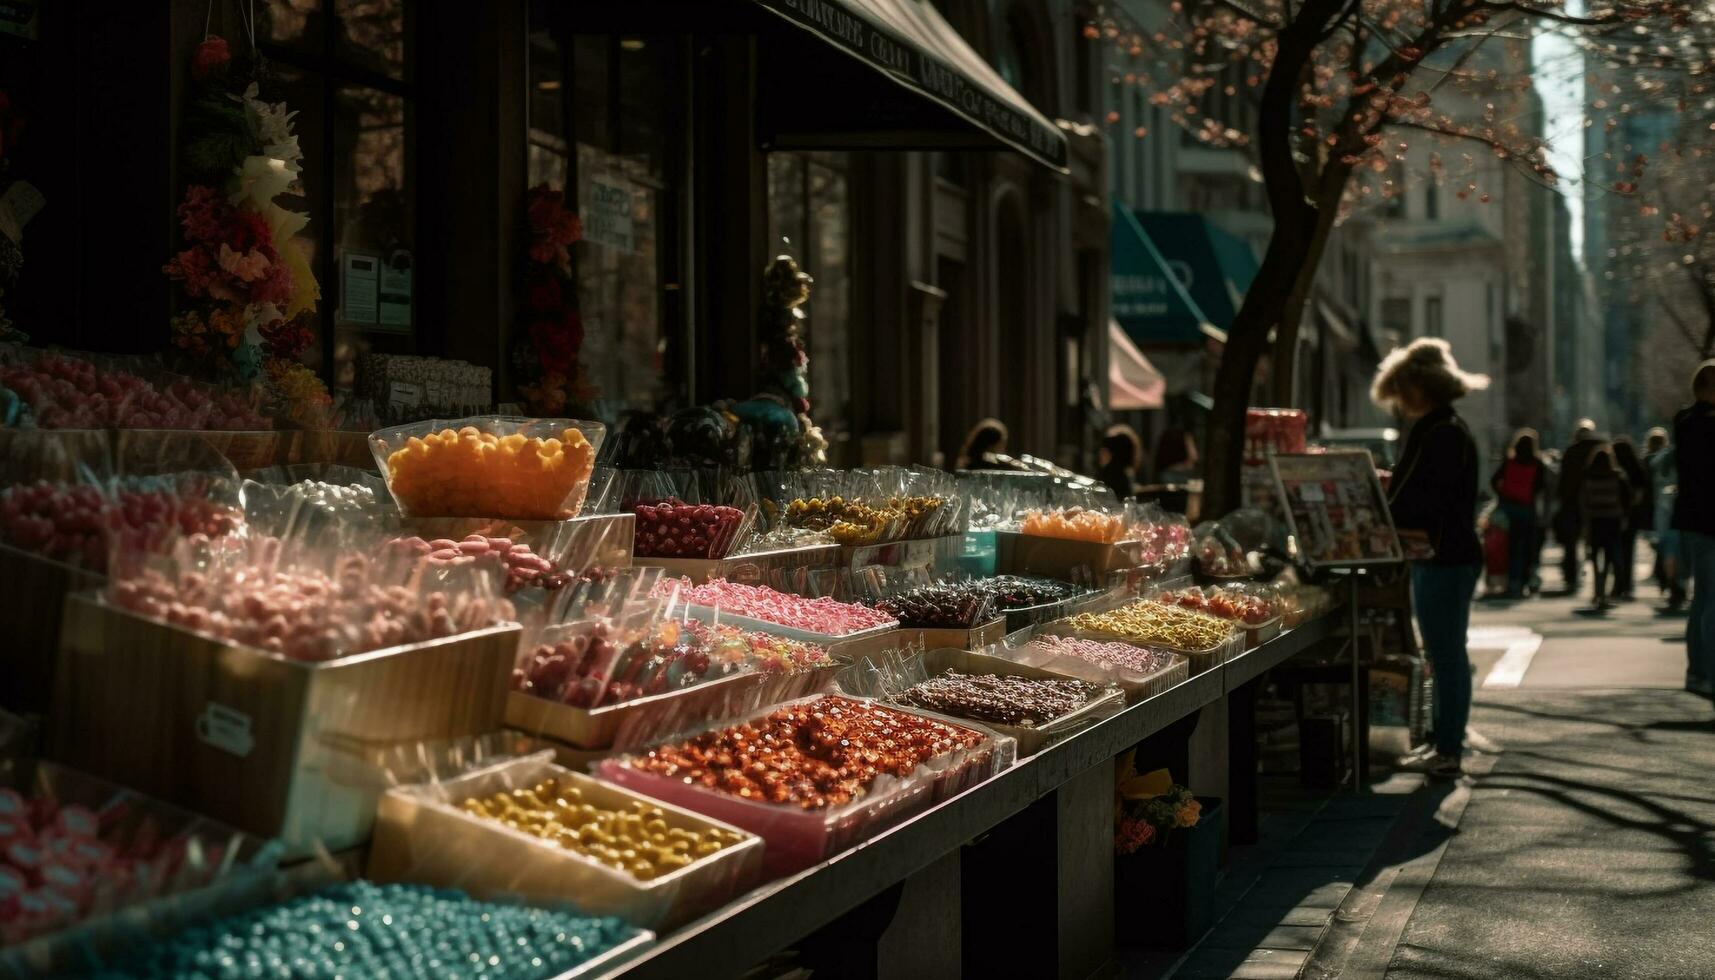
pixel 823 615
pixel 1124 656
pixel 307 614
pixel 65 393
pixel 524 568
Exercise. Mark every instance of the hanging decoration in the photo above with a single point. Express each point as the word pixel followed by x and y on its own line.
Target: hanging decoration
pixel 545 355
pixel 248 297
pixel 786 438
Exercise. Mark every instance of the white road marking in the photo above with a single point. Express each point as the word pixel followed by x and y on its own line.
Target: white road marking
pixel 1509 670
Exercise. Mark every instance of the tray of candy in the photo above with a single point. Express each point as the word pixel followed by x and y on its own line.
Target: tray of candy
pixel 425 834
pixel 1137 685
pixel 797 836
pixel 1030 738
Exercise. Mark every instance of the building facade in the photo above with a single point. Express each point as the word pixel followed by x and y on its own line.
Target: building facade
pixel 935 167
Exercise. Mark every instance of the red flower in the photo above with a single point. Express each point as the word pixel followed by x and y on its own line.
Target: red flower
pixel 202 213
pixel 248 230
pixel 545 294
pixel 209 57
pixel 275 287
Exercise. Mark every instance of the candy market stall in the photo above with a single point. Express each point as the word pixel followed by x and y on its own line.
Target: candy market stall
pixel 686 773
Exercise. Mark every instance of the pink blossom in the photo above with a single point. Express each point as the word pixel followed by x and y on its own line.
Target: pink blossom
pixel 244 266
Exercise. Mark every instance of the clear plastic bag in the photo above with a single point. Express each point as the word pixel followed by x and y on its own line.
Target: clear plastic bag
pixel 490 466
pixel 424 835
pixel 118 859
pixel 1141 672
pixel 798 836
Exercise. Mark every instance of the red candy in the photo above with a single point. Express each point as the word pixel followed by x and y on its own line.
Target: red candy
pixel 71 523
pixel 675 529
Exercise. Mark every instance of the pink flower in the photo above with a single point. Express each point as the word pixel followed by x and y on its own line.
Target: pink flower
pixel 245 266
pixel 209 57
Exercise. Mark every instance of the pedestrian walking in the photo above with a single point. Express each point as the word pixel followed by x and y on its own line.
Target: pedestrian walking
pixel 1640 516
pixel 1694 518
pixel 1521 484
pixel 1669 553
pixel 1568 523
pixel 1604 501
pixel 1434 493
pixel 1655 448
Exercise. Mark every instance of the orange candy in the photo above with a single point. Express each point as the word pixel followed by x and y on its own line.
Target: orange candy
pixel 470 473
pixel 1077 524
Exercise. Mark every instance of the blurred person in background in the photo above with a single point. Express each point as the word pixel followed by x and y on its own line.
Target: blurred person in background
pixel 1568 522
pixel 1119 461
pixel 1175 456
pixel 1655 448
pixel 1694 519
pixel 1669 554
pixel 1433 496
pixel 1521 483
pixel 1640 515
pixel 1604 502
pixel 985 448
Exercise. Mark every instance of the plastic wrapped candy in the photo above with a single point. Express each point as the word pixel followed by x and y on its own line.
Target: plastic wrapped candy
pixel 520 469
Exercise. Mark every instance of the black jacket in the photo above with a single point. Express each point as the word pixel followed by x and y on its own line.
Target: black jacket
pixel 1694 449
pixel 1434 487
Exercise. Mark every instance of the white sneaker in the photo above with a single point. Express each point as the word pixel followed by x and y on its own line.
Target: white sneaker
pixel 1482 743
pixel 1434 764
pixel 1415 756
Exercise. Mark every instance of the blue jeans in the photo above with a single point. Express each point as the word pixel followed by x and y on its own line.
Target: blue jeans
pixel 1442 595
pixel 1699 552
pixel 1521 543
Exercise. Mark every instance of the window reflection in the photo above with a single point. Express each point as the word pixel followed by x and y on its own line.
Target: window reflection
pixel 372 34
pixel 603 126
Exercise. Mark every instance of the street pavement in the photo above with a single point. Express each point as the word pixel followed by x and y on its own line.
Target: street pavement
pixel 1581 842
pixel 1586 847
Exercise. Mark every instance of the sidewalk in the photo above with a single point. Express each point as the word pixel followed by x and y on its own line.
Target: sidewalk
pixel 1585 848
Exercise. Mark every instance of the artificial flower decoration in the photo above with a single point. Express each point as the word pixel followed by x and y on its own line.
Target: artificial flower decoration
pixel 1148 806
pixel 211 56
pixel 546 353
pixel 243 276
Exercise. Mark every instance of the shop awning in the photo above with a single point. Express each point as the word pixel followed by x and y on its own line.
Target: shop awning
pixel 1149 296
pixel 957 99
pixel 1177 279
pixel 1133 382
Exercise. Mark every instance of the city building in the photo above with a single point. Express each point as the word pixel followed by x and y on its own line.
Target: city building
pixel 934 167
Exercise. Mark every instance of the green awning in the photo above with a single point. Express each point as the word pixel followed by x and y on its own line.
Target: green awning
pixel 1149 300
pixel 1192 281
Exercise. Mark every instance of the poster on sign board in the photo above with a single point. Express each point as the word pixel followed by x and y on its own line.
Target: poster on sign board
pixel 1336 509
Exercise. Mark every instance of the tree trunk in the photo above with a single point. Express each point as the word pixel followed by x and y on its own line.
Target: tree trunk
pixel 1284 367
pixel 1283 271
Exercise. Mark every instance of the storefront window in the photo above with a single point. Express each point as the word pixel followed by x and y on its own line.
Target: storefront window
pixel 605 125
pixel 345 67
pixel 809 218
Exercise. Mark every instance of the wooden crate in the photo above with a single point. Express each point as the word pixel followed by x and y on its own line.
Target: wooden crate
pixel 275 747
pixel 35 594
